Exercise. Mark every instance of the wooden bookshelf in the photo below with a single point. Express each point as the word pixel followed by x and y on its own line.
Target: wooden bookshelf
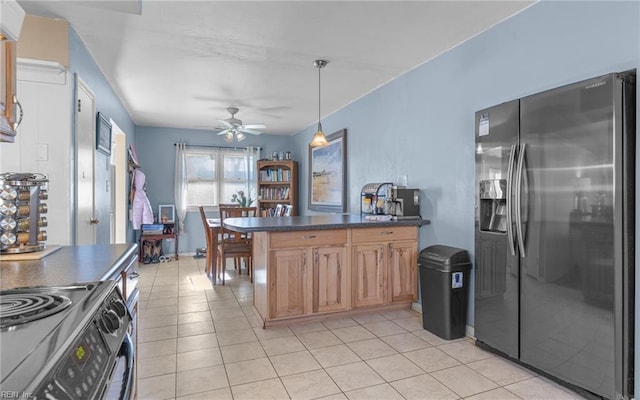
pixel 277 184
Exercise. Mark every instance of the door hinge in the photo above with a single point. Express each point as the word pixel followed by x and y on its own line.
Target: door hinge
pixel 79 105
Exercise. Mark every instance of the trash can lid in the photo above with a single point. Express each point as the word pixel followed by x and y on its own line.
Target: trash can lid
pixel 444 257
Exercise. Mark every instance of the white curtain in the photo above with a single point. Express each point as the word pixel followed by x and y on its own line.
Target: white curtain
pixel 252 155
pixel 181 185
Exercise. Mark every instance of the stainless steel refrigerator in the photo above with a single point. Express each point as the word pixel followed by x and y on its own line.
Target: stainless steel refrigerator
pixel 555 225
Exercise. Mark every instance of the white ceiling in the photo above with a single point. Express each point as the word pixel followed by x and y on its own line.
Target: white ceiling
pixel 182 63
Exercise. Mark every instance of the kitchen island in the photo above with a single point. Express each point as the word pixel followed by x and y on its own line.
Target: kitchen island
pixel 317 267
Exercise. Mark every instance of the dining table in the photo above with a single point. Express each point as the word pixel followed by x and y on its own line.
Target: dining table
pixel 213 230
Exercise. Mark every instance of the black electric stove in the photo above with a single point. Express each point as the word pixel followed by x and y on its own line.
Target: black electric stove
pixel 65 342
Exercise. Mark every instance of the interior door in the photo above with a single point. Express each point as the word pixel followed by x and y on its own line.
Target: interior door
pixel 85 154
pixel 102 198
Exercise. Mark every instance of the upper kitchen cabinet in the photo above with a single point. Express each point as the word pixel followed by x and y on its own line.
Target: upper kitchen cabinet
pixel 10 25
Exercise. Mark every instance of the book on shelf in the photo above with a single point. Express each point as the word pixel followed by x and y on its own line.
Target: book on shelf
pixel 275 175
pixel 280 210
pixel 152 229
pixel 270 193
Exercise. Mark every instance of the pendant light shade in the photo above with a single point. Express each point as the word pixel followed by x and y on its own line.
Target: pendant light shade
pixel 319 139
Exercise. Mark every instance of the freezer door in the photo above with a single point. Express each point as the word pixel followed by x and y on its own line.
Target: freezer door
pixel 496 263
pixel 569 216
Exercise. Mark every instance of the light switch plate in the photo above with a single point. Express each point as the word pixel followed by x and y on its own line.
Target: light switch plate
pixel 43 152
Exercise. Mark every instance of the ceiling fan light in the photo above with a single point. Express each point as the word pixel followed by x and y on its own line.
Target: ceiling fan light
pixel 228 137
pixel 240 137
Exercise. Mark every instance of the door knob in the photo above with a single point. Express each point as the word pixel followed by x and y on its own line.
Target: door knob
pixel 94 221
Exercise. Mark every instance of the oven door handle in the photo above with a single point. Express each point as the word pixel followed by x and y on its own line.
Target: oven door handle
pixel 128 352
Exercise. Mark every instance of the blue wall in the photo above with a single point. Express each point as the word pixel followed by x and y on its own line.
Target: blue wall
pixel 81 63
pixel 422 124
pixel 156 153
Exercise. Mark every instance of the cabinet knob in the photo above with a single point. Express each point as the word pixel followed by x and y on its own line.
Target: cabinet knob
pixel 94 221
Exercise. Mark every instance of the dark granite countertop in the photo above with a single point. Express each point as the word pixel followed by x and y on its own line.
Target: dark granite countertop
pixel 70 264
pixel 313 222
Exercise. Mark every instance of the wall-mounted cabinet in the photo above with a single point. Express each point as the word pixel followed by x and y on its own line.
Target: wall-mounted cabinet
pixel 277 184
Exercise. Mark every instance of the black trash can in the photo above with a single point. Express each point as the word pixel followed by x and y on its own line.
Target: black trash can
pixel 444 280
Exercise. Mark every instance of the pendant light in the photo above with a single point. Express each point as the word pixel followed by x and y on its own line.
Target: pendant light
pixel 319 139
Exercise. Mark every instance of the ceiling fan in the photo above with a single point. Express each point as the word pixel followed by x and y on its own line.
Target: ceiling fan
pixel 234 129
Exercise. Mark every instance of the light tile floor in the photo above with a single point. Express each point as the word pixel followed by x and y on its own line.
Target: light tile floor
pixel 199 341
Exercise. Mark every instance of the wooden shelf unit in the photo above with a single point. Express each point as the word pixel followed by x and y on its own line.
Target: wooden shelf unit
pixel 277 184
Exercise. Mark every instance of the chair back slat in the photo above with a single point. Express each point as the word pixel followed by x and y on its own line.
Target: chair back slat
pixel 235 244
pixel 205 224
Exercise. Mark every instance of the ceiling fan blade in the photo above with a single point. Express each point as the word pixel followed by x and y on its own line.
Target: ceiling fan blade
pixel 223 132
pixel 251 131
pixel 225 123
pixel 255 126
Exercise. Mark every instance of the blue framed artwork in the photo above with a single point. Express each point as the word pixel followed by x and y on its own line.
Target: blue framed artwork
pixel 328 174
pixel 103 134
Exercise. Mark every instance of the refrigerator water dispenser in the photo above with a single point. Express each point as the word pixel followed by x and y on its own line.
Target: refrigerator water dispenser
pixel 493 205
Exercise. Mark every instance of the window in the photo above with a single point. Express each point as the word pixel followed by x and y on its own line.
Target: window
pixel 213 175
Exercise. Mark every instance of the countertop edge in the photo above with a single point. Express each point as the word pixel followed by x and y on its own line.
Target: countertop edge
pixel 68 266
pixel 287 224
pixel 120 264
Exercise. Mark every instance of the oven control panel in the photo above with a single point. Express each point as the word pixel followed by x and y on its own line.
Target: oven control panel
pixel 83 372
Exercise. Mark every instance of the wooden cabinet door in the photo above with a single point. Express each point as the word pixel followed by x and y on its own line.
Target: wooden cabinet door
pixel 289 283
pixel 330 279
pixel 404 271
pixel 368 268
pixel 8 85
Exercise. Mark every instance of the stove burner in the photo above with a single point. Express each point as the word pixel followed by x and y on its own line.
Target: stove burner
pixel 21 308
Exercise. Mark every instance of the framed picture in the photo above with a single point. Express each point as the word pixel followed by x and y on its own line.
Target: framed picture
pixel 103 134
pixel 166 214
pixel 327 174
pixel 279 209
pixel 288 209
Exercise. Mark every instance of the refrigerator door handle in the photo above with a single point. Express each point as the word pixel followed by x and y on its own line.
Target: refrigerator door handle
pixel 512 160
pixel 519 232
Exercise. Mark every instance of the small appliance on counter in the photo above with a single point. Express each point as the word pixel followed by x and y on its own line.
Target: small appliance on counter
pixel 389 199
pixel 21 210
pixel 372 198
pixel 403 203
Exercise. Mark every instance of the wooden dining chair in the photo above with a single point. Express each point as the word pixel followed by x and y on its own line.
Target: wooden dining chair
pixel 207 234
pixel 235 244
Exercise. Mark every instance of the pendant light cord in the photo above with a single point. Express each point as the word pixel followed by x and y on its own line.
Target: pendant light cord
pixel 319 96
pixel 319 138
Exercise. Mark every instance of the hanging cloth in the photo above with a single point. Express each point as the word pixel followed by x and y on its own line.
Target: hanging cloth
pixel 141 209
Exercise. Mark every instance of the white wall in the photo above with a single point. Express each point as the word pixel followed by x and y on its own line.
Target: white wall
pixel 44 143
